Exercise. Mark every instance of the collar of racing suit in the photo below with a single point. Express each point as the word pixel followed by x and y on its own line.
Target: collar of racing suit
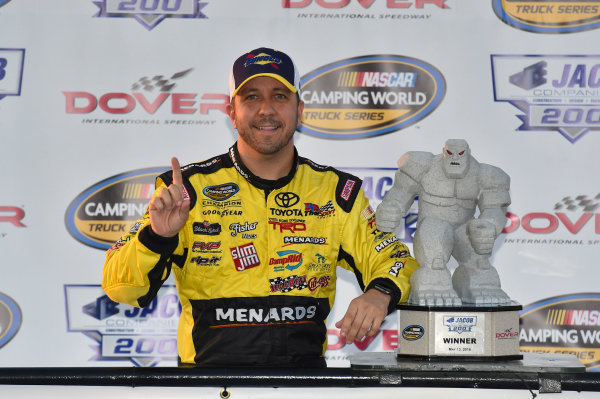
pixel 263 184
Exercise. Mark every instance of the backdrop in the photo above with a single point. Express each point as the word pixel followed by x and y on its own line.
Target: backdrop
pixel 96 96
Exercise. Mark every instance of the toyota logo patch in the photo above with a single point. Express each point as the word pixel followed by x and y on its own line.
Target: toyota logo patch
pixel 286 200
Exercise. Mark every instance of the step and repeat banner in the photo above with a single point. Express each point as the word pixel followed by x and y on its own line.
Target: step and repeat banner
pixel 97 95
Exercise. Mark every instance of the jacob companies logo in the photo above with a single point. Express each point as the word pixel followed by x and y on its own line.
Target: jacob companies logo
pixel 10 319
pixel 369 96
pixel 150 13
pixel 11 71
pixel 556 93
pixel 564 324
pixel 103 213
pixel 549 16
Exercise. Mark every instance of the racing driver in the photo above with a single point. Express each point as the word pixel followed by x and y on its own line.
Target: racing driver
pixel 254 236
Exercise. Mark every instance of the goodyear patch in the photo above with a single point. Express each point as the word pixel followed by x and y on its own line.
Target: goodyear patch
pixel 369 96
pixel 568 324
pixel 549 16
pixel 102 213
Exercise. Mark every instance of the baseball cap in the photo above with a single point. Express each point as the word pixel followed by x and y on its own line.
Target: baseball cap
pixel 264 62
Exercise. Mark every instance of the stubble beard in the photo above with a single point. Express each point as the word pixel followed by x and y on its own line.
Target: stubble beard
pixel 267 145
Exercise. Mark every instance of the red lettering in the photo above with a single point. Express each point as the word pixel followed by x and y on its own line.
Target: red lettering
pixel 151 107
pixel 204 108
pixel 179 101
pixel 574 228
pixel 398 4
pixel 340 343
pixel 71 97
pixel 332 4
pixel 295 4
pixel 552 223
pixel 514 223
pixel 439 3
pixel 362 345
pixel 389 339
pixel 15 215
pixel 366 3
pixel 128 107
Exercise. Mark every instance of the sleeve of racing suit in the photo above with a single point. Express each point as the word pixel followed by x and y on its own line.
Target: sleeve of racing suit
pixel 375 257
pixel 138 263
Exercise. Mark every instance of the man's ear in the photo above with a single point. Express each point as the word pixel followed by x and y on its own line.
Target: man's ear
pixel 230 109
pixel 300 110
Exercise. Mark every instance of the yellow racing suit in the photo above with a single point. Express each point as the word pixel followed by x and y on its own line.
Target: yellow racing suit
pixel 255 264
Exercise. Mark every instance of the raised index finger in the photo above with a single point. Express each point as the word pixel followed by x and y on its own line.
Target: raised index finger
pixel 177 179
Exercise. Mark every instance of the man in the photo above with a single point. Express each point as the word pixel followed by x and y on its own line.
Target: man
pixel 253 238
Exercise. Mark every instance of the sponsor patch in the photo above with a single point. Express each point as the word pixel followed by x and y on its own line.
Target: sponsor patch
pixel 244 257
pixel 287 199
pixel 311 209
pixel 347 190
pixel 221 192
pixel 206 261
pixel 237 228
pixel 292 227
pixel 288 284
pixel 290 260
pixel 206 228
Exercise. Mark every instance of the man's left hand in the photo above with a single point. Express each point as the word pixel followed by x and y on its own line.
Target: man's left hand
pixel 364 316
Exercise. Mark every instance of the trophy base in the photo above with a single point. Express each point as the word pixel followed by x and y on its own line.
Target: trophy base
pixel 468 332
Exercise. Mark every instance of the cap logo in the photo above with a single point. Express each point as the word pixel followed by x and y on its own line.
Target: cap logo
pixel 262 59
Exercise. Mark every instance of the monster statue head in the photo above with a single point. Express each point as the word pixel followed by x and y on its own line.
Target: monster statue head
pixel 456 158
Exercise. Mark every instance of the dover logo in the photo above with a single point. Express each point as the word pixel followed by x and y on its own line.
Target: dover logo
pixel 101 214
pixel 369 96
pixel 221 192
pixel 10 319
pixel 564 324
pixel 150 13
pixel 549 16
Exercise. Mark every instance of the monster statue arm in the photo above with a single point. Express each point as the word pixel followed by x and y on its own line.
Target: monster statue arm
pixel 398 200
pixel 493 201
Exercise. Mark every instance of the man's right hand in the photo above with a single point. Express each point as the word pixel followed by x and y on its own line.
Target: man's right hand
pixel 169 209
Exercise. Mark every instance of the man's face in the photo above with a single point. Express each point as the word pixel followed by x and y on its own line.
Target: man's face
pixel 265 114
pixel 456 158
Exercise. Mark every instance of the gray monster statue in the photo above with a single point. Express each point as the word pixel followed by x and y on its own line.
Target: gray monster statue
pixel 450 186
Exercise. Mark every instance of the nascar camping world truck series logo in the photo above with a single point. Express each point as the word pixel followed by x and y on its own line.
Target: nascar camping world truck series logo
pixel 568 324
pixel 369 96
pixel 103 213
pixel 549 16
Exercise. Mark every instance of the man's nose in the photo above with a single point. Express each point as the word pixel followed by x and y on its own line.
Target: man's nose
pixel 266 106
